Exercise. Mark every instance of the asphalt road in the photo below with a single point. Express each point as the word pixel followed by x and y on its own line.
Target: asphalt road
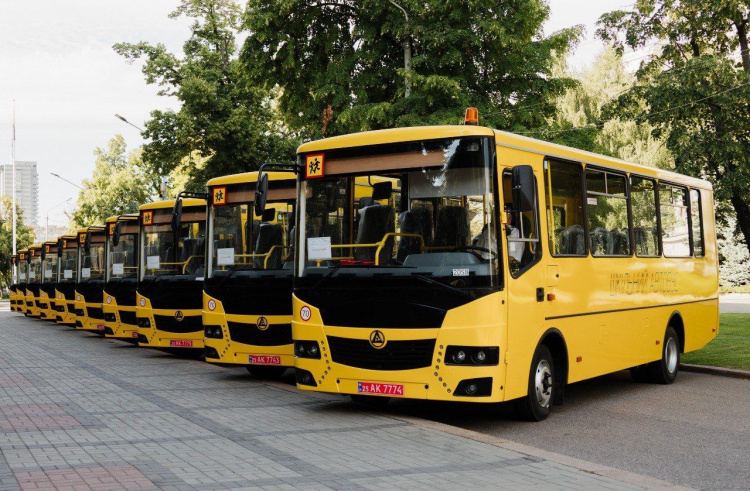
pixel 735 303
pixel 694 433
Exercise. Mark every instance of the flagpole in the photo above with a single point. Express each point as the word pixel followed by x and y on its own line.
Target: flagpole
pixel 13 157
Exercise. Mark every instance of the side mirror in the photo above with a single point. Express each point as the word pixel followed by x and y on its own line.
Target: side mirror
pixel 116 234
pixel 59 247
pixel 268 215
pixel 42 254
pixel 382 190
pixel 523 187
pixel 261 194
pixel 176 215
pixel 87 242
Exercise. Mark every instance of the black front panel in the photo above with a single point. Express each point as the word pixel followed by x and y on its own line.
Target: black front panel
pixel 127 317
pixel 395 355
pixel 123 291
pixel 67 289
pixel 92 291
pixel 49 289
pixel 274 335
pixel 252 296
pixel 33 288
pixel 189 323
pixel 95 313
pixel 185 292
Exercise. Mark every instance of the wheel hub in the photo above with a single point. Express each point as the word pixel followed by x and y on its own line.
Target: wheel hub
pixel 543 383
pixel 671 355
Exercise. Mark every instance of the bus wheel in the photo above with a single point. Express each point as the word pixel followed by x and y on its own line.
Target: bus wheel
pixel 266 372
pixel 664 371
pixel 370 400
pixel 536 405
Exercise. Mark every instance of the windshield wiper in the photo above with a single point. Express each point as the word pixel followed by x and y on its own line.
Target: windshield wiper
pixel 431 281
pixel 232 270
pixel 324 278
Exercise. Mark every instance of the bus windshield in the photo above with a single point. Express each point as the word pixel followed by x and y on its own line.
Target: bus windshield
pixel 240 244
pixel 68 265
pixel 426 210
pixel 35 269
pixel 91 264
pixel 23 270
pixel 121 257
pixel 166 253
pixel 49 267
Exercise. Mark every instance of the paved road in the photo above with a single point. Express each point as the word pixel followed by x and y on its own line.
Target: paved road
pixel 695 432
pixel 83 412
pixel 735 303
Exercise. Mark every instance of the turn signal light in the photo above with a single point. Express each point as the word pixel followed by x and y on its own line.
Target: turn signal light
pixel 472 116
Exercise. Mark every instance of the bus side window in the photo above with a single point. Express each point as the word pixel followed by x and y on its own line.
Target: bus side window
pixel 643 206
pixel 696 218
pixel 607 204
pixel 522 232
pixel 673 207
pixel 564 193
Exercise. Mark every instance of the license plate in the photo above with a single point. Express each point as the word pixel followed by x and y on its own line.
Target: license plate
pixel 181 343
pixel 135 334
pixel 265 360
pixel 99 327
pixel 378 388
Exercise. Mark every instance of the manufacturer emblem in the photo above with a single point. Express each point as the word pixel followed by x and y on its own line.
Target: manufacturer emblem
pixel 262 323
pixel 178 316
pixel 305 313
pixel 377 339
pixel 211 305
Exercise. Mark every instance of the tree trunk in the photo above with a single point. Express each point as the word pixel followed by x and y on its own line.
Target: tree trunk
pixel 743 216
pixel 742 37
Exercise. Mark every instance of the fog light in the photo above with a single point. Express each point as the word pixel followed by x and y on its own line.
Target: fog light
pixel 301 348
pixel 313 350
pixel 471 389
pixel 459 356
pixel 481 356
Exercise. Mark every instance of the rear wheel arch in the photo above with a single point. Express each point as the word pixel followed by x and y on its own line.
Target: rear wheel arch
pixel 676 322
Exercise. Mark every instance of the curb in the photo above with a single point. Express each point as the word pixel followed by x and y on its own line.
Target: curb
pixel 720 371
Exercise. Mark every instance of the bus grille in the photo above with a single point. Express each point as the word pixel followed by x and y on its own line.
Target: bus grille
pixel 189 323
pixel 127 317
pixel 275 335
pixel 395 355
pixel 95 312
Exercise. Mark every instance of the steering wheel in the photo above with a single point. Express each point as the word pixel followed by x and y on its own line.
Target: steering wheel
pixel 476 248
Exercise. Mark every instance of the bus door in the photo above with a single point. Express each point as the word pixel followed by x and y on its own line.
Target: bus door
pixel 526 279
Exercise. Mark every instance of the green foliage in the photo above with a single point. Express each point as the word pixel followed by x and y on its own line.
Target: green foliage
pixel 730 349
pixel 695 90
pixel 24 236
pixel 222 117
pixel 340 64
pixel 118 185
pixel 734 258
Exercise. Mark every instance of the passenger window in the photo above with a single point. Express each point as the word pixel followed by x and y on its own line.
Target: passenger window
pixel 607 203
pixel 643 206
pixel 522 232
pixel 673 206
pixel 696 218
pixel 565 209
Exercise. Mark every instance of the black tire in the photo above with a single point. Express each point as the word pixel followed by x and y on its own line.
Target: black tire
pixel 370 400
pixel 639 374
pixel 536 406
pixel 266 372
pixel 664 371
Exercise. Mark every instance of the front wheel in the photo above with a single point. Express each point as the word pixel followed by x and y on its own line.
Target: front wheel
pixel 266 372
pixel 664 371
pixel 535 406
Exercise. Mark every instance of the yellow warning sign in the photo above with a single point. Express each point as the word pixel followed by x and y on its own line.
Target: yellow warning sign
pixel 315 165
pixel 220 196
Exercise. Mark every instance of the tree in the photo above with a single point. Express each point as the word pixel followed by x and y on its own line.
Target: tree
pixel 734 258
pixel 24 237
pixel 696 89
pixel 117 186
pixel 339 64
pixel 223 117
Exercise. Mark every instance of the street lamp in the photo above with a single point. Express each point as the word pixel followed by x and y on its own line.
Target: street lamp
pixel 407 51
pixel 121 118
pixel 46 226
pixel 61 177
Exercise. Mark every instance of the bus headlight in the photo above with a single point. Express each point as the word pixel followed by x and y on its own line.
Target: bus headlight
pixel 472 355
pixel 307 349
pixel 213 332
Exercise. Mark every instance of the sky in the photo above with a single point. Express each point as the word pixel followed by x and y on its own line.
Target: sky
pixel 57 63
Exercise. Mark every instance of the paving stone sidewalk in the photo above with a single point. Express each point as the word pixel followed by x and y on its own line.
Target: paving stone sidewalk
pixel 81 412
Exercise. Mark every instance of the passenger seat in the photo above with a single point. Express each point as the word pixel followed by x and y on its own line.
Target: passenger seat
pixel 452 227
pixel 374 222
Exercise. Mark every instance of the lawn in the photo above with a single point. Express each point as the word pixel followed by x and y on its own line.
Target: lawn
pixel 730 349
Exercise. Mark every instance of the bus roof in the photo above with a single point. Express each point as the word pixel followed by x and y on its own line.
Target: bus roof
pixel 502 138
pixel 169 203
pixel 50 242
pixel 250 177
pixel 68 237
pixel 128 216
pixel 93 228
pixel 35 246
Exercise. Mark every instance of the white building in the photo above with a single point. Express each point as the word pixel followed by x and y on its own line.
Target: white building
pixel 27 189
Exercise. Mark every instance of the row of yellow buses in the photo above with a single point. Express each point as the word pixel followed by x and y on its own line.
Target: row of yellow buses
pixel 454 263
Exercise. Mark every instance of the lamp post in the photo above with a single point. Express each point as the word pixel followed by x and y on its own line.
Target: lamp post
pixel 69 182
pixel 407 51
pixel 121 118
pixel 46 225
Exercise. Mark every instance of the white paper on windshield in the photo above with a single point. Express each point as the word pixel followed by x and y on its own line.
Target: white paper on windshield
pixel 85 272
pixel 152 262
pixel 225 256
pixel 23 276
pixel 67 274
pixel 118 269
pixel 319 248
pixel 32 275
pixel 48 273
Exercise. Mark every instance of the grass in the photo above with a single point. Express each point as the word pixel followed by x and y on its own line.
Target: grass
pixel 730 349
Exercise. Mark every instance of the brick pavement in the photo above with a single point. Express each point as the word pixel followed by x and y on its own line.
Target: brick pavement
pixel 81 412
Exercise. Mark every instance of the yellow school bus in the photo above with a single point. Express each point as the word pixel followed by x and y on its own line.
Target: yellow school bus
pixel 496 267
pixel 121 277
pixel 170 273
pixel 13 289
pixel 90 279
pixel 65 288
pixel 23 279
pixel 34 280
pixel 247 307
pixel 50 270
